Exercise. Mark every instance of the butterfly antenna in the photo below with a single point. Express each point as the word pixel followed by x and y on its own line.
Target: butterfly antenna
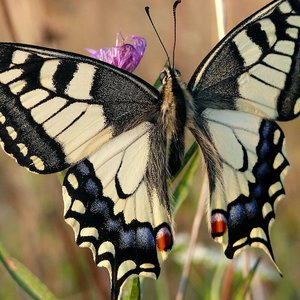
pixel 175 30
pixel 147 9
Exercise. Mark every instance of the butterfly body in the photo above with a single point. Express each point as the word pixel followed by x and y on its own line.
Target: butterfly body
pixel 121 139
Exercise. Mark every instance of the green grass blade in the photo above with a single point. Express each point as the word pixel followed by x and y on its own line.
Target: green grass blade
pixel 132 289
pixel 245 284
pixel 24 278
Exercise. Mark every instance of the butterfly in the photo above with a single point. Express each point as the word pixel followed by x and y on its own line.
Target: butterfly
pixel 120 139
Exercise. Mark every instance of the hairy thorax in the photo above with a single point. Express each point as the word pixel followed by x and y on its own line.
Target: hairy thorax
pixel 175 104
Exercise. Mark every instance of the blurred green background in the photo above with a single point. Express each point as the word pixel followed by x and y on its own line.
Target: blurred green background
pixel 31 209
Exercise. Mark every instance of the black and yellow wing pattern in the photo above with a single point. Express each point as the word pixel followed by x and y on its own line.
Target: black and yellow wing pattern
pixel 250 79
pixel 121 139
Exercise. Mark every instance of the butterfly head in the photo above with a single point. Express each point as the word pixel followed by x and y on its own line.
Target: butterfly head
pixel 168 74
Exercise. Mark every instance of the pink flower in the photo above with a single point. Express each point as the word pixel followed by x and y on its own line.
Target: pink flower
pixel 124 55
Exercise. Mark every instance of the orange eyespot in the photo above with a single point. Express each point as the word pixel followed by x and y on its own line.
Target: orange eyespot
pixel 218 224
pixel 164 239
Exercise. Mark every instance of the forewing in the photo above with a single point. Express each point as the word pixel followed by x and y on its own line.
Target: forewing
pixel 56 108
pixel 117 203
pixel 253 167
pixel 255 68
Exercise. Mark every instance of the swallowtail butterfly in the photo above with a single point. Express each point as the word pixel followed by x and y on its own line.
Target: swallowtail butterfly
pixel 121 139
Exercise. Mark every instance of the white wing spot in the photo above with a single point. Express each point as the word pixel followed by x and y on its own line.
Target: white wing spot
pixel 10 75
pixel 78 207
pixel 73 180
pixel 267 208
pixel 19 57
pixel 67 199
pixel 147 266
pixel 292 32
pixel 82 82
pixel 106 247
pixel 47 72
pixel 239 242
pixel 276 136
pixel 285 47
pixel 38 163
pixel 33 97
pixel 11 131
pixel 89 231
pixel 283 173
pixel 285 8
pixel 17 87
pixel 2 118
pixel 294 20
pixel 23 149
pixel 125 267
pixel 275 187
pixel 258 232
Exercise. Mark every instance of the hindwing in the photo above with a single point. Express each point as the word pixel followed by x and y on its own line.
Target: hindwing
pixel 117 203
pixel 253 167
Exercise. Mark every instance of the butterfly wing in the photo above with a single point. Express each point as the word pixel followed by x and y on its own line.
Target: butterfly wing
pixel 117 203
pixel 56 108
pixel 255 68
pixel 253 167
pixel 62 110
pixel 250 75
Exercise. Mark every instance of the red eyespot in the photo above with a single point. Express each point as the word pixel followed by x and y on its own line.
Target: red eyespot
pixel 164 239
pixel 218 224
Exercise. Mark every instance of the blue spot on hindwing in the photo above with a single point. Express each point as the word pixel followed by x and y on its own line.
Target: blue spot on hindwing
pixel 145 238
pixel 83 169
pixel 91 187
pixel 263 170
pixel 127 238
pixel 252 209
pixel 236 215
pixel 99 207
